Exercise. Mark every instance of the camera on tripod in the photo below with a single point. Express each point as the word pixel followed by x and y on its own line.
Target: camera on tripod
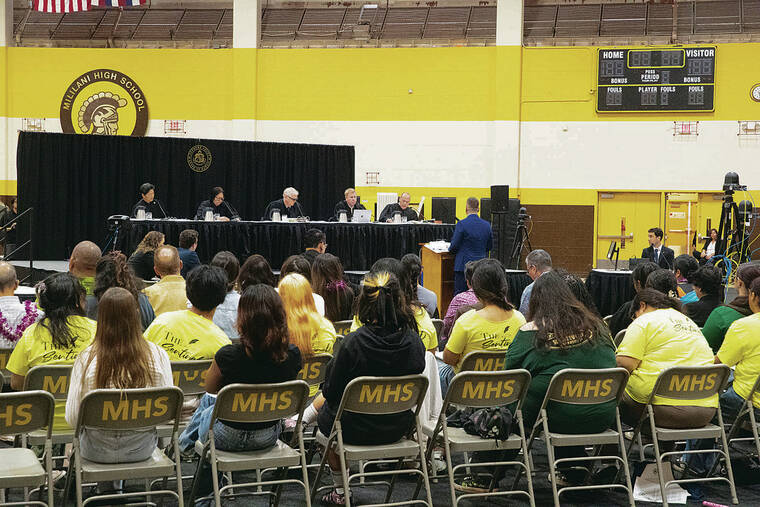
pixel 731 183
pixel 522 215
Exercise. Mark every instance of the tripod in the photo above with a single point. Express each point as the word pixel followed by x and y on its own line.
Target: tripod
pixel 521 239
pixel 732 240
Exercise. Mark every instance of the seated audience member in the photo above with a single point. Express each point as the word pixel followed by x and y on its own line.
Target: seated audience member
pixel 262 356
pixel 255 270
pixel 562 333
pixel 347 205
pixel 707 254
pixel 299 264
pixel 685 265
pixel 112 271
pixel 327 281
pixel 141 260
pixel 706 281
pixel 188 242
pixel 413 266
pixel 118 358
pixel 148 202
pixel 288 206
pixel 661 337
pixel 388 345
pixel 425 326
pixel 537 263
pixel 723 316
pixel 466 298
pixel 189 335
pixel 621 319
pixel 82 262
pixel 15 316
pixel 57 338
pixel 491 328
pixel 402 207
pixel 221 210
pixel 315 243
pixel 168 294
pixel 309 331
pixel 579 290
pixel 226 313
pixel 664 281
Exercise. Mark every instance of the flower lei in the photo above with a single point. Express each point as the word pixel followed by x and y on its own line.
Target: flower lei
pixel 13 334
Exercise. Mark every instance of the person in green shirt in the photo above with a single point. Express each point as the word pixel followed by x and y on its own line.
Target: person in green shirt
pixel 723 316
pixel 562 333
pixel 84 258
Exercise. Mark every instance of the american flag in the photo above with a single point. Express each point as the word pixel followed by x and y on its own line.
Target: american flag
pixel 82 5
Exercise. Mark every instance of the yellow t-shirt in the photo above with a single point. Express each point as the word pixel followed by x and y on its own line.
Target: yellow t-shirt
pixel 472 332
pixel 741 347
pixel 35 347
pixel 425 326
pixel 662 339
pixel 186 336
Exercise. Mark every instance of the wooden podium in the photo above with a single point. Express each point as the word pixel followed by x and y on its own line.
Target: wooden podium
pixel 438 276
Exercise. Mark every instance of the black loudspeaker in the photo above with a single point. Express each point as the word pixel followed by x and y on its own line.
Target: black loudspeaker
pixel 444 209
pixel 504 226
pixel 499 198
pixel 485 208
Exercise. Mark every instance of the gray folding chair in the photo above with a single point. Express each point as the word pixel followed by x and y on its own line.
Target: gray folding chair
pixel 438 323
pixel 190 377
pixel 5 375
pixel 619 337
pixel 484 360
pixel 128 409
pixel 376 396
pixel 19 467
pixel 689 383
pixel 607 319
pixel 53 378
pixel 746 420
pixel 342 327
pixel 314 369
pixel 574 386
pixel 479 390
pixel 255 403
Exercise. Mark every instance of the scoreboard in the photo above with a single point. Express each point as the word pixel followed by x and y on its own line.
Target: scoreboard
pixel 672 79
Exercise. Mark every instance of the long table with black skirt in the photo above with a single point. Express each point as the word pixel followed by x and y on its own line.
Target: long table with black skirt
pixel 609 289
pixel 358 245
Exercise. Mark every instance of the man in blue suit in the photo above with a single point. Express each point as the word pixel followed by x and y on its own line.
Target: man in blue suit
pixel 472 241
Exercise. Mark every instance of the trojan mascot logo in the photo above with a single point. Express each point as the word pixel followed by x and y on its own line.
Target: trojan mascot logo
pixel 104 102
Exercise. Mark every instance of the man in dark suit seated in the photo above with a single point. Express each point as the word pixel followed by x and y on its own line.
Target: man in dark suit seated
pixel 706 281
pixel 656 251
pixel 288 206
pixel 472 241
pixel 347 205
pixel 402 206
pixel 188 242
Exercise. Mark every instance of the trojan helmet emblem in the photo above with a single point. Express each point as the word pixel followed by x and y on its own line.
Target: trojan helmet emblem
pixel 99 114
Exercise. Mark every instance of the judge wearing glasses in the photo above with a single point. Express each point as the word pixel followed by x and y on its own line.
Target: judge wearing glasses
pixel 288 205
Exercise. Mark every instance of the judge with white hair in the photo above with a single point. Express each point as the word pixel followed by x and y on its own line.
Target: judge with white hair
pixel 288 206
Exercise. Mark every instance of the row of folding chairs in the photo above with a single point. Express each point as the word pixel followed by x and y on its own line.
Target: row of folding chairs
pixel 365 395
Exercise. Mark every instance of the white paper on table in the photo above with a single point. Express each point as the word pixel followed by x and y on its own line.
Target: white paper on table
pixel 647 486
pixel 438 246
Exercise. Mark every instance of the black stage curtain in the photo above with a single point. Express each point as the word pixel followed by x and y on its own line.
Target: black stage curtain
pixel 357 245
pixel 609 289
pixel 75 182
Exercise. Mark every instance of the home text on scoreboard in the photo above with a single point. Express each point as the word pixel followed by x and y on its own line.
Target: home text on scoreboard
pixel 672 79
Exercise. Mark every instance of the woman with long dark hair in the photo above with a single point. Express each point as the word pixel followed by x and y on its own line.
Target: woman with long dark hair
pixel 141 260
pixel 255 270
pixel 660 337
pixel 112 271
pixel 327 281
pixel 120 358
pixel 58 338
pixel 561 333
pixel 493 327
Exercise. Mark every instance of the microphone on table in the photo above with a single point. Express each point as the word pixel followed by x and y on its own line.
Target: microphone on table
pixel 161 208
pixel 235 214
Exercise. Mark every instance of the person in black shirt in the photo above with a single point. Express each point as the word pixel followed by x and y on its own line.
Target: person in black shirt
pixel 315 243
pixel 218 206
pixel 288 205
pixel 401 206
pixel 706 281
pixel 348 205
pixel 149 202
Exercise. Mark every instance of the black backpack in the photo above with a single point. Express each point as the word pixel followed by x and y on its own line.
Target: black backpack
pixel 491 422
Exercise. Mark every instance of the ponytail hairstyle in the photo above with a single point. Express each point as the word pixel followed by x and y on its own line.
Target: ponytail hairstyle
pixel 489 282
pixel 655 299
pixel 395 267
pixel 382 303
pixel 262 323
pixel 664 281
pixel 61 296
